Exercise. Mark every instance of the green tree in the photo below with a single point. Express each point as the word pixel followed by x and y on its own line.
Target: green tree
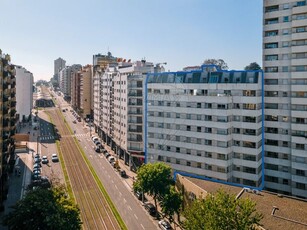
pixel 44 209
pixel 252 66
pixel 171 202
pixel 219 62
pixel 221 211
pixel 154 179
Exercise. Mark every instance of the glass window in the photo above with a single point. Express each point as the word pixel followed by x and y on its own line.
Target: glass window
pixel 286 6
pixel 286 19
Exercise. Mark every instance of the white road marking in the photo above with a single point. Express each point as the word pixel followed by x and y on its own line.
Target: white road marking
pixel 116 187
pixel 125 200
pixel 120 193
pixel 129 207
pixel 142 226
pixel 136 217
pixel 112 181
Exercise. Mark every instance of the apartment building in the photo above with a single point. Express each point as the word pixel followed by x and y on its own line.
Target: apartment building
pixel 59 64
pixel 86 91
pixel 65 79
pixel 24 93
pixel 100 63
pixel 7 121
pixel 285 66
pixel 122 114
pixel 207 123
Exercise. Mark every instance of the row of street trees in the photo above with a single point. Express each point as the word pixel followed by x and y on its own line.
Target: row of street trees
pixel 223 65
pixel 216 211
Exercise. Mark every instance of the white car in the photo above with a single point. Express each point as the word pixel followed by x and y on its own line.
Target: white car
pixel 54 158
pixel 45 160
pixel 163 224
pixel 111 159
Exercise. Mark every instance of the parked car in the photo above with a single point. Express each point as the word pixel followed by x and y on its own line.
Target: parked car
pixel 122 173
pixel 37 160
pixel 97 149
pixel 151 209
pixel 75 122
pixel 139 194
pixel 37 165
pixel 95 138
pixel 54 158
pixel 164 225
pixel 107 155
pixel 45 160
pixel 111 159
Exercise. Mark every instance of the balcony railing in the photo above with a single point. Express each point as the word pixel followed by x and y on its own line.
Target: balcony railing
pixel 135 130
pixel 136 103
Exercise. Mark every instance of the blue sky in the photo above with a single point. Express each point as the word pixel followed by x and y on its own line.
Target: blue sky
pixel 179 32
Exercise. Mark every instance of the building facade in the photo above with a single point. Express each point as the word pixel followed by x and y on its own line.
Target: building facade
pixel 7 121
pixel 24 93
pixel 122 114
pixel 59 64
pixel 285 66
pixel 86 91
pixel 207 123
pixel 65 78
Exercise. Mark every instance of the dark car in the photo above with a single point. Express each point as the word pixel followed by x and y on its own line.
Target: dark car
pixel 97 149
pixel 122 173
pixel 138 194
pixel 151 209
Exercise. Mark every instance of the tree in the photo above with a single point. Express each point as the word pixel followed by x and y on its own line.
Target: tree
pixel 252 66
pixel 219 62
pixel 221 211
pixel 171 202
pixel 154 179
pixel 44 209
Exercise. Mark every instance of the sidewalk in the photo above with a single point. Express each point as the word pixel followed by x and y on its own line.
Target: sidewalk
pixel 17 184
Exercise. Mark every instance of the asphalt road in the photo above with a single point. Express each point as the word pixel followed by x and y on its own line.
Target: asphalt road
pixel 130 209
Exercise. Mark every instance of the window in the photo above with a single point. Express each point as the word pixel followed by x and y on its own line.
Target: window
pixel 285 44
pixel 286 6
pixel 208 130
pixel 285 69
pixel 300 172
pixel 285 31
pixel 188 116
pixel 301 3
pixel 198 129
pixel 271 33
pixel 208 154
pixel 198 165
pixel 188 128
pixel 271 45
pixel 271 21
pixel 300 29
pixel 177 161
pixel 286 19
pixel 177 150
pixel 188 163
pixel 273 69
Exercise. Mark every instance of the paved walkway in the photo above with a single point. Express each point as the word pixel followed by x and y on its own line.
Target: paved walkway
pixel 18 184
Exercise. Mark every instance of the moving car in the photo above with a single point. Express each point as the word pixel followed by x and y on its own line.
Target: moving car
pixel 54 158
pixel 164 225
pixel 45 160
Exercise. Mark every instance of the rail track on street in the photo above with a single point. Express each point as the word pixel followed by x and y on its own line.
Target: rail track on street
pixel 96 212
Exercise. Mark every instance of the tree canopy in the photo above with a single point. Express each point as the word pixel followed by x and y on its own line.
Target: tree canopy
pixel 221 211
pixel 43 208
pixel 253 66
pixel 219 62
pixel 171 202
pixel 154 179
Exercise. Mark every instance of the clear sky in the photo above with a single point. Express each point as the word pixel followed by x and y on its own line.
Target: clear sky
pixel 179 32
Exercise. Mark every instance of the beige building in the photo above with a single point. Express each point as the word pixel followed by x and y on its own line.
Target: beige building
pixel 285 66
pixel 279 211
pixel 86 91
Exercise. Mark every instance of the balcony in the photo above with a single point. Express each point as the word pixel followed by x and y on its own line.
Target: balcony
pixel 135 130
pixel 139 112
pixel 139 103
pixel 137 121
pixel 135 139
pixel 134 148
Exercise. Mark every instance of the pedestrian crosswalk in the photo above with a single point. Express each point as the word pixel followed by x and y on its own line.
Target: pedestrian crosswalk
pixel 46 138
pixel 77 135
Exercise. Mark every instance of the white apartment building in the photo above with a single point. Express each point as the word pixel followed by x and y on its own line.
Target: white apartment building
pixel 285 66
pixel 207 123
pixel 121 113
pixel 24 93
